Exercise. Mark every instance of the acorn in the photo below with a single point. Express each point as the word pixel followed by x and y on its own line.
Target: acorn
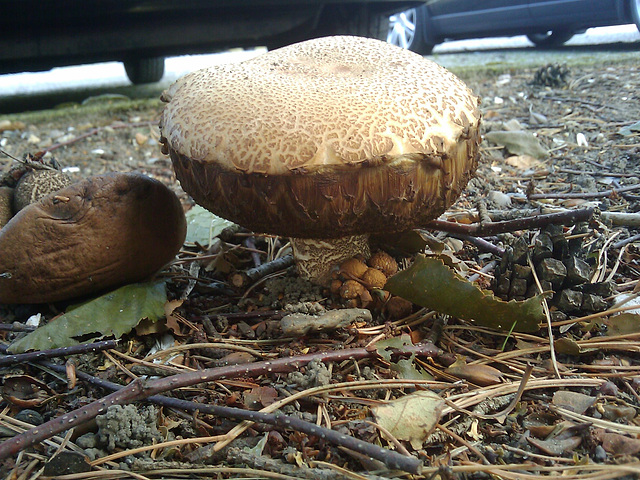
pixel 351 289
pixel 353 268
pixel 374 278
pixel 384 262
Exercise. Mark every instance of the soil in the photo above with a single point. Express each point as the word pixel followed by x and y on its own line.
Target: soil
pixel 584 115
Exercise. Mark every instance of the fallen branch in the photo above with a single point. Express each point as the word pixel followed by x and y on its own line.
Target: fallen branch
pixel 140 389
pixel 583 195
pixel 55 352
pixel 568 217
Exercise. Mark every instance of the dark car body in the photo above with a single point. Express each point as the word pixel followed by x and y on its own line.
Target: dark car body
pixel 546 22
pixel 41 34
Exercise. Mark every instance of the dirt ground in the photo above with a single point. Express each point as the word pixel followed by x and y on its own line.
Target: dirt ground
pixel 577 412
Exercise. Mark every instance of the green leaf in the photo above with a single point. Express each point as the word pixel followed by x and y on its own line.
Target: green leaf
pixel 202 225
pixel 431 284
pixel 112 314
pixel 404 366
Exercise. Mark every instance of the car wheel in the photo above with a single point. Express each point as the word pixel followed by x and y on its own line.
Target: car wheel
pixel 552 38
pixel 635 12
pixel 407 29
pixel 144 70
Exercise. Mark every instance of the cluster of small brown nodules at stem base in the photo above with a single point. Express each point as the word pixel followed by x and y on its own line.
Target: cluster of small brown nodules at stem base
pixel 357 283
pixel 551 75
pixel 562 267
pixel 27 182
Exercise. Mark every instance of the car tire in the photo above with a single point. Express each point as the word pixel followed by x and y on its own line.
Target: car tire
pixel 144 69
pixel 408 29
pixel 552 38
pixel 635 12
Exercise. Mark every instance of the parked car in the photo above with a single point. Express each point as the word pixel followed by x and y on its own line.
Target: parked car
pixel 41 34
pixel 545 22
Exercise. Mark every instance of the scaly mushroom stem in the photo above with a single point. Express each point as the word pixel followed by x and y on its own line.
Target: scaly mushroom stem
pixel 316 257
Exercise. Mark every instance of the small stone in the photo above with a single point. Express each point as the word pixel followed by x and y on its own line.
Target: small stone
pixel 141 138
pixel 532 291
pixel 66 463
pixel 503 285
pixel 553 271
pixel 569 300
pixel 602 289
pixel 558 316
pixel 542 247
pixel 593 303
pixel 522 271
pixel 578 271
pixel 30 416
pixel 518 287
pixel 520 251
pixel 33 139
pixel 8 125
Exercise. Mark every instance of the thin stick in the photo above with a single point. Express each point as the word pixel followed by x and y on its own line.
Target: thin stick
pixel 139 389
pixel 569 217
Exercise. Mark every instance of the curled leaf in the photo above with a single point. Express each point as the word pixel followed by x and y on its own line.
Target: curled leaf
pixel 431 284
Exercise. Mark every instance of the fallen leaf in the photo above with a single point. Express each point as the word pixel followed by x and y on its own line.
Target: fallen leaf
pixel 522 162
pixel 430 284
pixel 25 391
pixel 518 143
pixel 203 226
pixel 574 401
pixel 411 417
pixel 628 130
pixel 405 366
pixel 617 443
pixel 482 375
pixel 112 314
pixel 622 324
pixel 556 446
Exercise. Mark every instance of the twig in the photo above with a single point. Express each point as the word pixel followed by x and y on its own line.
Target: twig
pixel 596 173
pixel 16 327
pixel 583 195
pixel 250 243
pixel 139 389
pixel 568 217
pixel 624 242
pixel 241 279
pixel 55 352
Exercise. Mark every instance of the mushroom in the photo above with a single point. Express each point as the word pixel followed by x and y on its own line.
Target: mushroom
pixel 36 184
pixel 324 141
pixel 96 234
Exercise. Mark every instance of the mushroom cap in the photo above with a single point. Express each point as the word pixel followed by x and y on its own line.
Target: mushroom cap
pixel 326 138
pixel 96 234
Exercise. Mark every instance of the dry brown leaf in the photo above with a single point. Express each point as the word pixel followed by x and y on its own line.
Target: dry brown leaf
pixel 574 401
pixel 411 417
pixel 482 375
pixel 616 443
